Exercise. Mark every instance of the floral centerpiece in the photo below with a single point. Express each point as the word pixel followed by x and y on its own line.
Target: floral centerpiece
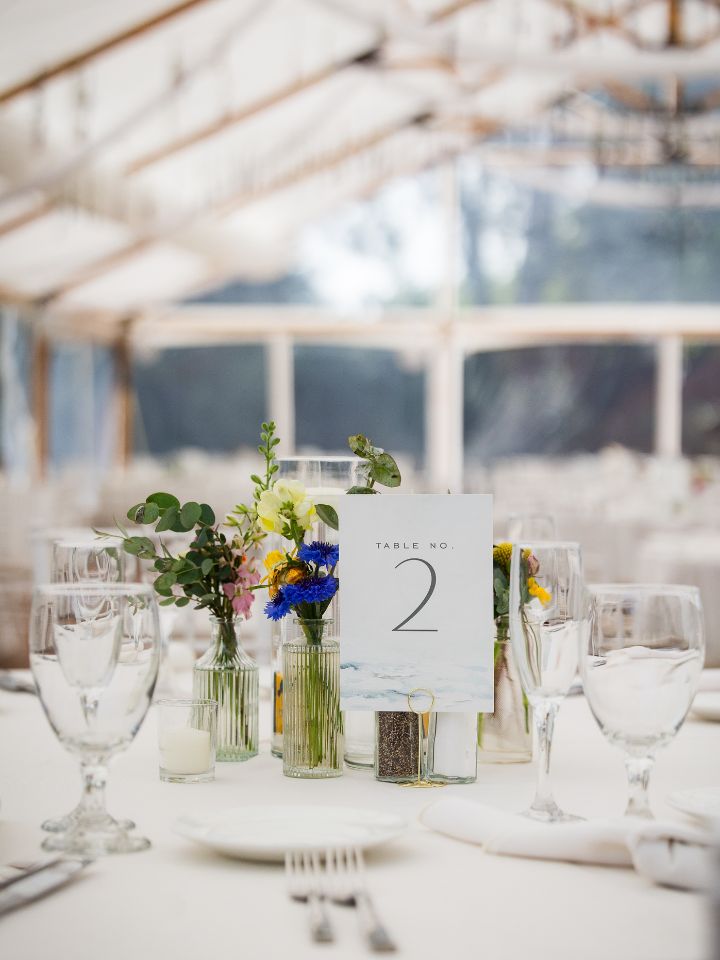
pixel 505 735
pixel 302 581
pixel 218 572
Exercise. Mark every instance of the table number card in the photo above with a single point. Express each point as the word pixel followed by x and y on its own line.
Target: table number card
pixel 416 601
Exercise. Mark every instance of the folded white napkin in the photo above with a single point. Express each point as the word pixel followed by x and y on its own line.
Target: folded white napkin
pixel 666 852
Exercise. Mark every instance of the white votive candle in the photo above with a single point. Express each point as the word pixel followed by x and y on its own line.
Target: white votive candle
pixel 185 750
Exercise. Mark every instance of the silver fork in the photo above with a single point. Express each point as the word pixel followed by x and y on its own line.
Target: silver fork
pixel 304 885
pixel 347 887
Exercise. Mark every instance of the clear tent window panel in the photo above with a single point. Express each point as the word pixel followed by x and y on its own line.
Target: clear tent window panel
pixel 521 244
pixel 558 400
pixel 82 428
pixel 206 398
pixel 701 400
pixel 344 390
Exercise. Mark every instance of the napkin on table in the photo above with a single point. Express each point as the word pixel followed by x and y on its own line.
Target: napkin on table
pixel 666 852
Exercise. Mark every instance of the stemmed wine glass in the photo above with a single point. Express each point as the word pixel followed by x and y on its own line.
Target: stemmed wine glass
pixel 86 561
pixel 640 667
pixel 548 611
pixel 94 653
pixel 83 560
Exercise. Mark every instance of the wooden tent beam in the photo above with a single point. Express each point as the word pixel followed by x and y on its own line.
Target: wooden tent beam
pixel 104 46
pixel 317 165
pixel 234 117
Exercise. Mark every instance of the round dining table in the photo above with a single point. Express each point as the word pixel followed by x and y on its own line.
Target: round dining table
pixel 439 897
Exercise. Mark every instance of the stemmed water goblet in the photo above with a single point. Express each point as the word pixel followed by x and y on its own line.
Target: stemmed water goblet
pixel 640 667
pixel 94 653
pixel 548 612
pixel 83 559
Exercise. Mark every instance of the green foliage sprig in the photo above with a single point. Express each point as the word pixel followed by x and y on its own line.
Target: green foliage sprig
pixel 198 576
pixel 245 518
pixel 381 468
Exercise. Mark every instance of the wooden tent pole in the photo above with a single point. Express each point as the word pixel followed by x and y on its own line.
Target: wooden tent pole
pixel 124 397
pixel 104 46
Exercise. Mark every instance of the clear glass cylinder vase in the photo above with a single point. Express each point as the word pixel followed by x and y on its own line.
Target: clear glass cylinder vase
pixel 452 748
pixel 312 722
pixel 225 673
pixel 505 736
pixel 276 738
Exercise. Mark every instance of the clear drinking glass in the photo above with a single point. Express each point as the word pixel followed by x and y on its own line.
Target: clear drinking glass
pixel 87 561
pixel 531 526
pixel 187 731
pixel 640 666
pixel 94 653
pixel 549 612
pixel 83 559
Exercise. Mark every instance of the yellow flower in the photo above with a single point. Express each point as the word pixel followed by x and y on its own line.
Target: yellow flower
pixel 273 559
pixel 501 555
pixel 535 590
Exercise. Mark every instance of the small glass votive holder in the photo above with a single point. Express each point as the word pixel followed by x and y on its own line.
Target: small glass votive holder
pixel 187 732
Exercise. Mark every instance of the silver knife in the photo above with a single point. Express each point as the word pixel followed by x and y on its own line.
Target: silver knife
pixel 36 880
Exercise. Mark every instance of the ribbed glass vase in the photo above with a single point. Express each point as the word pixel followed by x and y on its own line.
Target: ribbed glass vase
pixel 505 736
pixel 225 673
pixel 312 722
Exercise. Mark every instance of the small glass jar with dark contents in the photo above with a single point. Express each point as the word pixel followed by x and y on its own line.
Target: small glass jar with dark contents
pixel 398 748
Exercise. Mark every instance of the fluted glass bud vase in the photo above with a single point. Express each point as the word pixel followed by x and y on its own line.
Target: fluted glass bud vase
pixel 312 722
pixel 505 736
pixel 225 673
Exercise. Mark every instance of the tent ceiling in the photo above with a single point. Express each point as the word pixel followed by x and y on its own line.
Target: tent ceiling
pixel 155 146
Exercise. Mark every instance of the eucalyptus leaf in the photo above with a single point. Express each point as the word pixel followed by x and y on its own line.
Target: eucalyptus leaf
pixel 207 514
pixel 358 490
pixel 164 500
pixel 167 602
pixel 140 547
pixel 165 582
pixel 360 445
pixel 134 511
pixel 182 601
pixel 168 519
pixel 206 566
pixel 328 515
pixel 190 514
pixel 384 470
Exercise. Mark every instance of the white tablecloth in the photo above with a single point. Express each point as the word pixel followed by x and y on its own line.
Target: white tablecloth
pixel 439 897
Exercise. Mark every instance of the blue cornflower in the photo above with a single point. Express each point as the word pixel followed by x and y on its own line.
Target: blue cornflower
pixel 323 554
pixel 312 590
pixel 278 607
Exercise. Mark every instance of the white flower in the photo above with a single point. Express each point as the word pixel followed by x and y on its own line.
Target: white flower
pixel 285 501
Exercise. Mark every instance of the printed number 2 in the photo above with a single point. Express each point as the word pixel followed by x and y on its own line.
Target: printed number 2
pixel 400 628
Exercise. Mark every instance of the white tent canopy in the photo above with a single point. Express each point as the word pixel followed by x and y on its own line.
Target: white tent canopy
pixel 151 149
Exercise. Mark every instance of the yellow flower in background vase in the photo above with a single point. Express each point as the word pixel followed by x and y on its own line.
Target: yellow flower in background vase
pixel 535 590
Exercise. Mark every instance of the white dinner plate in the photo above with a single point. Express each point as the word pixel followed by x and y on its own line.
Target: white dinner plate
pixel 700 802
pixel 266 833
pixel 706 705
